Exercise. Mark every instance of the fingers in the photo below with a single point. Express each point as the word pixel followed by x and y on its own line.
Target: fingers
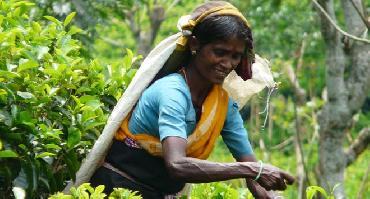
pixel 279 184
pixel 277 181
pixel 284 180
pixel 268 184
pixel 282 185
pixel 258 191
pixel 287 177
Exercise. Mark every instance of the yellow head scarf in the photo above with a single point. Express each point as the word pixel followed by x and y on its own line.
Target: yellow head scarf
pixel 214 8
pixel 186 24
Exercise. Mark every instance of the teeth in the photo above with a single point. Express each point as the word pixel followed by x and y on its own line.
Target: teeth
pixel 221 73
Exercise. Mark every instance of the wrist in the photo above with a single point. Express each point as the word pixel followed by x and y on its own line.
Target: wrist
pixel 250 170
pixel 259 171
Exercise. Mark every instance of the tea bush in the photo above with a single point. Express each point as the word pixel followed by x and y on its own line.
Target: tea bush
pixel 53 101
pixel 85 191
pixel 218 190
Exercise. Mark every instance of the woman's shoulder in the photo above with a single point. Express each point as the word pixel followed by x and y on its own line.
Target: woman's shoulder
pixel 171 85
pixel 168 89
pixel 171 81
pixel 171 78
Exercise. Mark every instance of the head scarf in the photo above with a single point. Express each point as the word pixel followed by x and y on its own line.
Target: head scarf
pixel 166 58
pixel 187 23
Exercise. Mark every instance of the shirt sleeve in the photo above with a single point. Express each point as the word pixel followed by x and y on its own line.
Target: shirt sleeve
pixel 173 105
pixel 234 134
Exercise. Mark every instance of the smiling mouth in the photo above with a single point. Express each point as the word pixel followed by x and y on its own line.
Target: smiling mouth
pixel 221 73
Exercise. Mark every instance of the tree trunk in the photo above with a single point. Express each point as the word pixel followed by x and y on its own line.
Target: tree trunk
pixel 345 97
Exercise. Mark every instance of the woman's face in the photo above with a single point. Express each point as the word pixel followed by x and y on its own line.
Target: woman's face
pixel 216 60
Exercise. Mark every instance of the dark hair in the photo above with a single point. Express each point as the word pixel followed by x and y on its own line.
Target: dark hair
pixel 223 27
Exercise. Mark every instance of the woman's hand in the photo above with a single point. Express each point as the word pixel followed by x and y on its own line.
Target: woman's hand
pixel 272 178
pixel 258 191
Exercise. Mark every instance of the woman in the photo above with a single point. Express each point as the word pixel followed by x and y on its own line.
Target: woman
pixel 164 142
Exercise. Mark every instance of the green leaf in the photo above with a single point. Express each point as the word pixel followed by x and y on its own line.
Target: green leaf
pixel 72 162
pixel 25 64
pixel 88 126
pixel 74 30
pixel 8 154
pixel 8 90
pixel 6 118
pixel 1 19
pixel 36 27
pixel 52 19
pixel 76 100
pixel 60 195
pixel 41 51
pixel 83 89
pixel 52 91
pixel 16 12
pixel 23 3
pixel 52 146
pixel 99 189
pixel 10 67
pixel 335 187
pixel 312 190
pixel 45 154
pixel 69 18
pixel 128 59
pixel 25 95
pixel 74 137
pixel 90 101
pixel 25 117
pixel 29 166
pixel 14 111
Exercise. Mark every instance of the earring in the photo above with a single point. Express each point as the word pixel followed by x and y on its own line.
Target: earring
pixel 193 52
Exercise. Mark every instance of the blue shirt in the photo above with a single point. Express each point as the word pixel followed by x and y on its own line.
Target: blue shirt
pixel 165 109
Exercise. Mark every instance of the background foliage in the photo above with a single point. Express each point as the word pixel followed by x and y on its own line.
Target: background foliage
pixel 64 64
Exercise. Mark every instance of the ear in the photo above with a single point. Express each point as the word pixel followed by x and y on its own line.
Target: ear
pixel 193 43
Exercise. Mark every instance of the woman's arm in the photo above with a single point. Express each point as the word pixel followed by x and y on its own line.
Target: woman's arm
pixel 257 190
pixel 193 170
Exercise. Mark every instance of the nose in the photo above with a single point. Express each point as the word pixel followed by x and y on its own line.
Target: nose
pixel 227 64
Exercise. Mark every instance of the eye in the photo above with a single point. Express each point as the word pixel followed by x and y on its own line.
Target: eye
pixel 237 56
pixel 219 52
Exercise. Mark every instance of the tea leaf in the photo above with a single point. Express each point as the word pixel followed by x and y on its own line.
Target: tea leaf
pixel 25 95
pixel 8 154
pixel 45 154
pixel 69 18
pixel 52 19
pixel 74 137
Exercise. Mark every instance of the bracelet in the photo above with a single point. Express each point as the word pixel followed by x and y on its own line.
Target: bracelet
pixel 260 171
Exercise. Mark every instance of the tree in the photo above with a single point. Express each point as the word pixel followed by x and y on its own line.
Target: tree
pixel 348 84
pixel 144 18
